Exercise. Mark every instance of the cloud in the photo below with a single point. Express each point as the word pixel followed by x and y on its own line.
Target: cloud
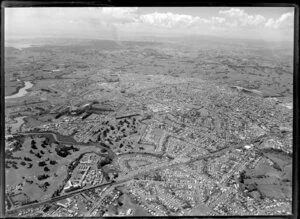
pixel 121 15
pixel 168 20
pixel 119 22
pixel 243 19
pixel 218 20
pixel 284 21
pixel 100 16
pixel 233 12
pixel 232 24
pixel 124 11
pixel 219 28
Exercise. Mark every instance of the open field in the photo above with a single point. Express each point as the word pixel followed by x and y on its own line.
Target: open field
pixel 38 167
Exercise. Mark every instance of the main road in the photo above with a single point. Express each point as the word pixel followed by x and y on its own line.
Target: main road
pixel 130 175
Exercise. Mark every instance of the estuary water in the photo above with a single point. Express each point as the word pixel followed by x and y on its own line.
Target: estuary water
pixel 21 92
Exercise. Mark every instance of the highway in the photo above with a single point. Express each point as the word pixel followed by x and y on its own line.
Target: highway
pixel 132 174
pixel 55 199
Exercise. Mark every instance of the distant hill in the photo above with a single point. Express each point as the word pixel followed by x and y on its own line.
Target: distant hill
pixel 9 50
pixel 193 40
pixel 202 40
pixel 69 44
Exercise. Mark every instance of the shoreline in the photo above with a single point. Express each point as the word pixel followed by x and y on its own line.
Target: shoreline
pixel 22 91
pixel 18 88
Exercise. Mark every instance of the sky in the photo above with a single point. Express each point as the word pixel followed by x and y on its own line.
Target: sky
pixel 121 23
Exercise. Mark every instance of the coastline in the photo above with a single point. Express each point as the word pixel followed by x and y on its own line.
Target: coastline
pixel 22 91
pixel 17 89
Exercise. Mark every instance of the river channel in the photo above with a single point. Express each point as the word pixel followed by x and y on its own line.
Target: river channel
pixel 22 91
pixel 56 137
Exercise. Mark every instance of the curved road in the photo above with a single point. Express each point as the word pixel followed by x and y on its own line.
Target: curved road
pixel 130 175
